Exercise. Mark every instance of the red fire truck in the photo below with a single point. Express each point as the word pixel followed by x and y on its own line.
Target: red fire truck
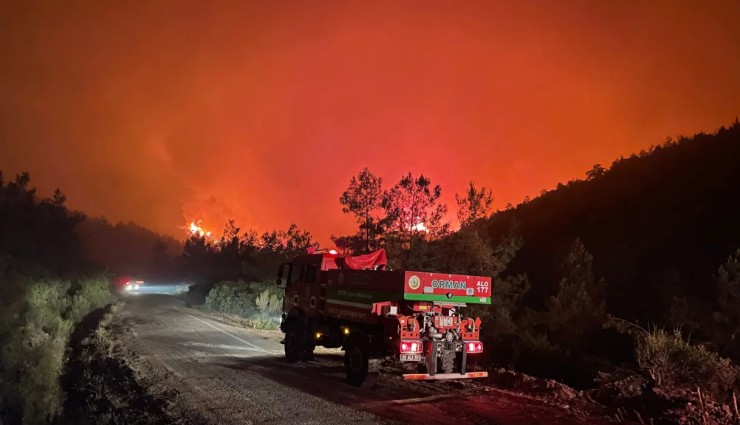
pixel 355 303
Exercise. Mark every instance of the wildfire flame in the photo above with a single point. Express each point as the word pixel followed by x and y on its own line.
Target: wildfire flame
pixel 420 227
pixel 196 230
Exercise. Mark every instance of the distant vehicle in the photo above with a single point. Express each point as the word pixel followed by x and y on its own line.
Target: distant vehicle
pixel 129 284
pixel 132 285
pixel 409 316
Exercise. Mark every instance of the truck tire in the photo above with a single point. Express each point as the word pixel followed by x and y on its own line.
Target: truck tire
pixel 292 342
pixel 306 353
pixel 356 359
pixel 448 361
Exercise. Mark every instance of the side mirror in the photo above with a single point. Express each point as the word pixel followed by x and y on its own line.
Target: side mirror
pixel 279 281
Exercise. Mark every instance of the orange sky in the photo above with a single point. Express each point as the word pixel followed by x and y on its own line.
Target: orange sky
pixel 159 112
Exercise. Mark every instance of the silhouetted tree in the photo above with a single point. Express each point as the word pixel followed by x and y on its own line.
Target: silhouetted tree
pixel 288 243
pixel 412 208
pixel 363 199
pixel 413 218
pixel 474 205
pixel 37 234
pixel 230 243
pixel 595 172
pixel 297 242
pixel 349 244
pixel 198 259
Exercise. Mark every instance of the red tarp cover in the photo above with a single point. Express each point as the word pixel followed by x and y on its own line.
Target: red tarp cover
pixel 367 261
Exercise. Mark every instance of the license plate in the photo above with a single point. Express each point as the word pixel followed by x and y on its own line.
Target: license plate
pixel 410 357
pixel 444 322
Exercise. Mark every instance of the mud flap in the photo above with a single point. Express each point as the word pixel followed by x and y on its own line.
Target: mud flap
pixel 431 357
pixel 463 360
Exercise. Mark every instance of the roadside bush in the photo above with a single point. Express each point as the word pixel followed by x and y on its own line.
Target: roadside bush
pixel 672 362
pixel 259 302
pixel 269 305
pixel 262 323
pixel 35 325
pixel 231 298
pixel 91 294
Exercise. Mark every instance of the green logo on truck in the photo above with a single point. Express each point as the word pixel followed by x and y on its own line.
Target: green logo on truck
pixel 449 284
pixel 414 282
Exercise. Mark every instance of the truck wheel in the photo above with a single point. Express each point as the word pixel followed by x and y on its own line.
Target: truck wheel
pixel 292 343
pixel 355 360
pixel 448 361
pixel 307 353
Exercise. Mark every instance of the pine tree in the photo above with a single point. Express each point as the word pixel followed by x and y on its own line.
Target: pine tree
pixel 412 207
pixel 578 308
pixel 363 199
pixel 413 219
pixel 474 205
pixel 727 315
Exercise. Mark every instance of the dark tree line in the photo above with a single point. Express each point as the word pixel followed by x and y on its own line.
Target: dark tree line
pixel 238 255
pixel 127 249
pixel 37 235
pixel 41 236
pixel 658 224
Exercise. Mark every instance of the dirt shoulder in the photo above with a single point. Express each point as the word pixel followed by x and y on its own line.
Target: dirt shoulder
pixel 106 382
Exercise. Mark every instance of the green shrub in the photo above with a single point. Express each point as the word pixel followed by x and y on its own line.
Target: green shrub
pixel 231 298
pixel 672 362
pixel 90 295
pixel 259 302
pixel 35 325
pixel 261 323
pixel 269 305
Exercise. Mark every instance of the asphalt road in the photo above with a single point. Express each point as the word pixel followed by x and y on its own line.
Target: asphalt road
pixel 231 375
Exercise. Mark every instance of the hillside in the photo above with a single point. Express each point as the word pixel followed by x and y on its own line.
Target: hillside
pixel 658 224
